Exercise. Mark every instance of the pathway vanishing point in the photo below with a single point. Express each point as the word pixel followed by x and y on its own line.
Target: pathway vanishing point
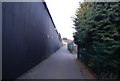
pixel 61 65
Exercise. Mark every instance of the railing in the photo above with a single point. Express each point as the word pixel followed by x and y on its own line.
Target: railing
pixel 101 67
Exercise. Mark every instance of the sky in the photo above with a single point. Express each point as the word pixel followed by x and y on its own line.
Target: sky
pixel 61 12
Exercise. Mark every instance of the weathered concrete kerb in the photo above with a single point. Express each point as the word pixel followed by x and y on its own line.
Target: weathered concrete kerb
pixel 60 65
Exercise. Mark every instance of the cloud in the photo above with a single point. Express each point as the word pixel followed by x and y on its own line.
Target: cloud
pixel 61 12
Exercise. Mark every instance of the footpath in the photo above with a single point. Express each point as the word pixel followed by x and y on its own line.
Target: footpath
pixel 61 65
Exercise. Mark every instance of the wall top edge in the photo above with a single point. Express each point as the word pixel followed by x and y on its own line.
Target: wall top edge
pixel 22 1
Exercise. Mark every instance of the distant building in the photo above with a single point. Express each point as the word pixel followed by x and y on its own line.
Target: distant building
pixel 72 47
pixel 65 42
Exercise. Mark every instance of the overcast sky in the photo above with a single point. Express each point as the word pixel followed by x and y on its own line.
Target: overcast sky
pixel 61 12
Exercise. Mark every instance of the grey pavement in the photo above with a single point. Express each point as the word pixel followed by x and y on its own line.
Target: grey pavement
pixel 61 65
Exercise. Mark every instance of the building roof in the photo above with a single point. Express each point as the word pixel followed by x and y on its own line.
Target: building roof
pixel 68 41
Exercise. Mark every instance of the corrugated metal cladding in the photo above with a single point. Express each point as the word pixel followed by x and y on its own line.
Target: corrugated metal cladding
pixel 29 36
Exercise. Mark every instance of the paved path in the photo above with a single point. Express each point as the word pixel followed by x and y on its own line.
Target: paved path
pixel 60 65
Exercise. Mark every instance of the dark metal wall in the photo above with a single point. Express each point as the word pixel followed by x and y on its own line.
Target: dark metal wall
pixel 29 36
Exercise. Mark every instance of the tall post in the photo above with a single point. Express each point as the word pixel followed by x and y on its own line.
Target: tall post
pixel 78 52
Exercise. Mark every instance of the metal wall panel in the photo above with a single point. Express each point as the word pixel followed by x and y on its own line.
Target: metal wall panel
pixel 29 36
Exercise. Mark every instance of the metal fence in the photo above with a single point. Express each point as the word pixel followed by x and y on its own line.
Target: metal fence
pixel 99 62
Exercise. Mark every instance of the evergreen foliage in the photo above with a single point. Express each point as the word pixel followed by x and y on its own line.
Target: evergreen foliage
pixel 97 26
